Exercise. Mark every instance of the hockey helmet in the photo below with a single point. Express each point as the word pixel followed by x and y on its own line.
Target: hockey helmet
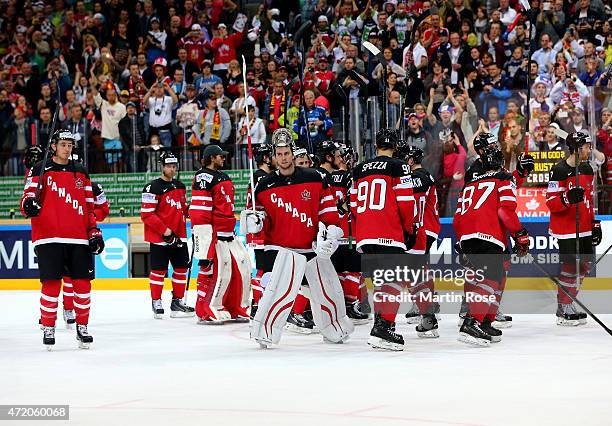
pixel 326 148
pixel 386 138
pixel 260 151
pixel 483 140
pixel 282 138
pixel 575 140
pixel 300 152
pixel 33 155
pixel 349 155
pixel 415 153
pixel 62 135
pixel 167 158
pixel 493 157
pixel 401 150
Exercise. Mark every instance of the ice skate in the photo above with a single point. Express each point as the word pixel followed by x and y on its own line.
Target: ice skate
pixel 48 337
pixel 463 311
pixel 581 315
pixel 502 320
pixel 298 323
pixel 413 316
pixel 567 315
pixel 428 327
pixel 178 309
pixel 158 309
pixel 355 315
pixel 364 306
pixel 472 333
pixel 487 327
pixel 69 319
pixel 83 337
pixel 383 335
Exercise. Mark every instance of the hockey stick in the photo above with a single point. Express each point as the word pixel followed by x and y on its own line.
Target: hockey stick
pixel 248 126
pixel 39 185
pixel 381 58
pixel 577 184
pixel 299 34
pixel 189 270
pixel 602 256
pixel 527 11
pixel 571 296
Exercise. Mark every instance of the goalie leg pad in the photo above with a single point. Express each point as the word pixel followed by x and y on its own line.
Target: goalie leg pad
pixel 202 239
pixel 327 301
pixel 278 297
pixel 243 261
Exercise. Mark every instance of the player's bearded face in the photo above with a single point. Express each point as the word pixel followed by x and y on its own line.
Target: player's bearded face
pixel 170 171
pixel 219 160
pixel 584 152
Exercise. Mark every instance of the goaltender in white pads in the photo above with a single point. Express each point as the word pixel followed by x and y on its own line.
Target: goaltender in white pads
pixel 326 296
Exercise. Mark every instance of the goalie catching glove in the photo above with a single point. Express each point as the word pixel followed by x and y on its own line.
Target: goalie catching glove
pixel 96 242
pixel 251 222
pixel 521 243
pixel 31 207
pixel 327 240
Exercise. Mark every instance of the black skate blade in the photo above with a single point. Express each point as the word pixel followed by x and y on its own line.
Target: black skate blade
pixel 378 343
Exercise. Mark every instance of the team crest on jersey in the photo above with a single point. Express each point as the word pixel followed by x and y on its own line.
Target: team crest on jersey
pixel 306 195
pixel 79 183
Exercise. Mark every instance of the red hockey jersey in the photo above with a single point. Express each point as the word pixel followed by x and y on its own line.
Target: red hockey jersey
pixel 294 205
pixel 67 203
pixel 382 202
pixel 426 206
pixel 164 206
pixel 340 187
pixel 486 209
pixel 562 214
pixel 212 201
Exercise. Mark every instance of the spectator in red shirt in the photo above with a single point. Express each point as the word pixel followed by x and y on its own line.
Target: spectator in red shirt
pixel 224 47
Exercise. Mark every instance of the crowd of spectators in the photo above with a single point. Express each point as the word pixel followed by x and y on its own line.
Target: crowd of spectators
pixel 135 77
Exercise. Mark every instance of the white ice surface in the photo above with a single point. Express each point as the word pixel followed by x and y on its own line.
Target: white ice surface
pixel 172 371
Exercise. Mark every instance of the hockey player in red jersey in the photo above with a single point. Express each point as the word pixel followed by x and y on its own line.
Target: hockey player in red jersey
pixel 346 260
pixel 382 205
pixel 298 219
pixel 486 212
pixel 58 198
pixel 265 161
pixel 164 213
pixel 428 222
pixel 225 269
pixel 563 197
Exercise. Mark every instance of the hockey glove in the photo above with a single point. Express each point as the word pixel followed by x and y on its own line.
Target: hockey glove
pixel 341 205
pixel 254 222
pixel 463 259
pixel 172 239
pixel 525 164
pixel 410 237
pixel 31 207
pixel 521 243
pixel 324 247
pixel 573 196
pixel 96 243
pixel 596 232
